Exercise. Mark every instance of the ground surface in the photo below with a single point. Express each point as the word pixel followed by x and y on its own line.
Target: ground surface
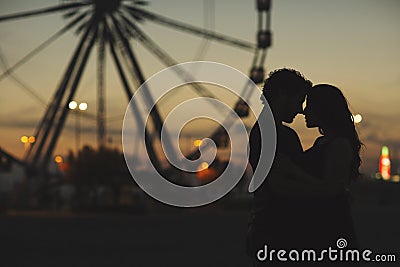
pixel 167 237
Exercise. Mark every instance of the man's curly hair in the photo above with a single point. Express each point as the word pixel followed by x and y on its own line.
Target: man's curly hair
pixel 285 81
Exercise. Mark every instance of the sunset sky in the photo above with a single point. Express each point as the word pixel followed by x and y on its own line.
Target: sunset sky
pixel 353 44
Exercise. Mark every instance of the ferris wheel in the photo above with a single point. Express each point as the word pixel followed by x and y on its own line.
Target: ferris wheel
pixel 111 27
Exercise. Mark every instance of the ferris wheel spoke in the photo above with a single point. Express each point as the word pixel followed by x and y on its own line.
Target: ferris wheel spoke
pixel 169 61
pixel 42 46
pixel 190 28
pixel 128 50
pixel 49 118
pixel 209 23
pixel 76 79
pixel 29 90
pixel 129 94
pixel 123 55
pixel 118 65
pixel 202 91
pixel 126 27
pixel 101 109
pixel 154 113
pixel 42 11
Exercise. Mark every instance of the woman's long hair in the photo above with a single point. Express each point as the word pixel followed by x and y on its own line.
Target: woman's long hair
pixel 334 114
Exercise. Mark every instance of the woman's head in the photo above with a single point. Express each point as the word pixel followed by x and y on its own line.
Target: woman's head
pixel 327 109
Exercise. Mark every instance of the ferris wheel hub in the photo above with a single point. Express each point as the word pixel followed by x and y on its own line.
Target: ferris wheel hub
pixel 108 6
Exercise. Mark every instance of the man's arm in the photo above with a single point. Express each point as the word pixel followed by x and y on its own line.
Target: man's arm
pixel 289 178
pixel 255 146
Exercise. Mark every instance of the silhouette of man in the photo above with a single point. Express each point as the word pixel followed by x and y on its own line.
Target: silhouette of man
pixel 271 221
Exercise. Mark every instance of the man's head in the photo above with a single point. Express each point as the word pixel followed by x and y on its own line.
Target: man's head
pixel 285 90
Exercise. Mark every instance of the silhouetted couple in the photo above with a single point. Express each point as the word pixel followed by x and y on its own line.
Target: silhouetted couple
pixel 304 201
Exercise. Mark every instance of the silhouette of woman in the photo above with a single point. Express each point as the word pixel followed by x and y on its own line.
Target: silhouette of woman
pixel 321 183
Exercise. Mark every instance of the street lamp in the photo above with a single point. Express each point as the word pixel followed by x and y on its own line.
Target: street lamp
pixel 357 118
pixel 73 105
pixel 27 141
pixel 58 159
pixel 197 142
pixel 77 107
pixel 83 106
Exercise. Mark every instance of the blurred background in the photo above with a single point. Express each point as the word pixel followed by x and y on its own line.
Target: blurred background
pixel 66 195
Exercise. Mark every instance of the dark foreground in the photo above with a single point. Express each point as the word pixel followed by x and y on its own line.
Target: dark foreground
pixel 168 237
